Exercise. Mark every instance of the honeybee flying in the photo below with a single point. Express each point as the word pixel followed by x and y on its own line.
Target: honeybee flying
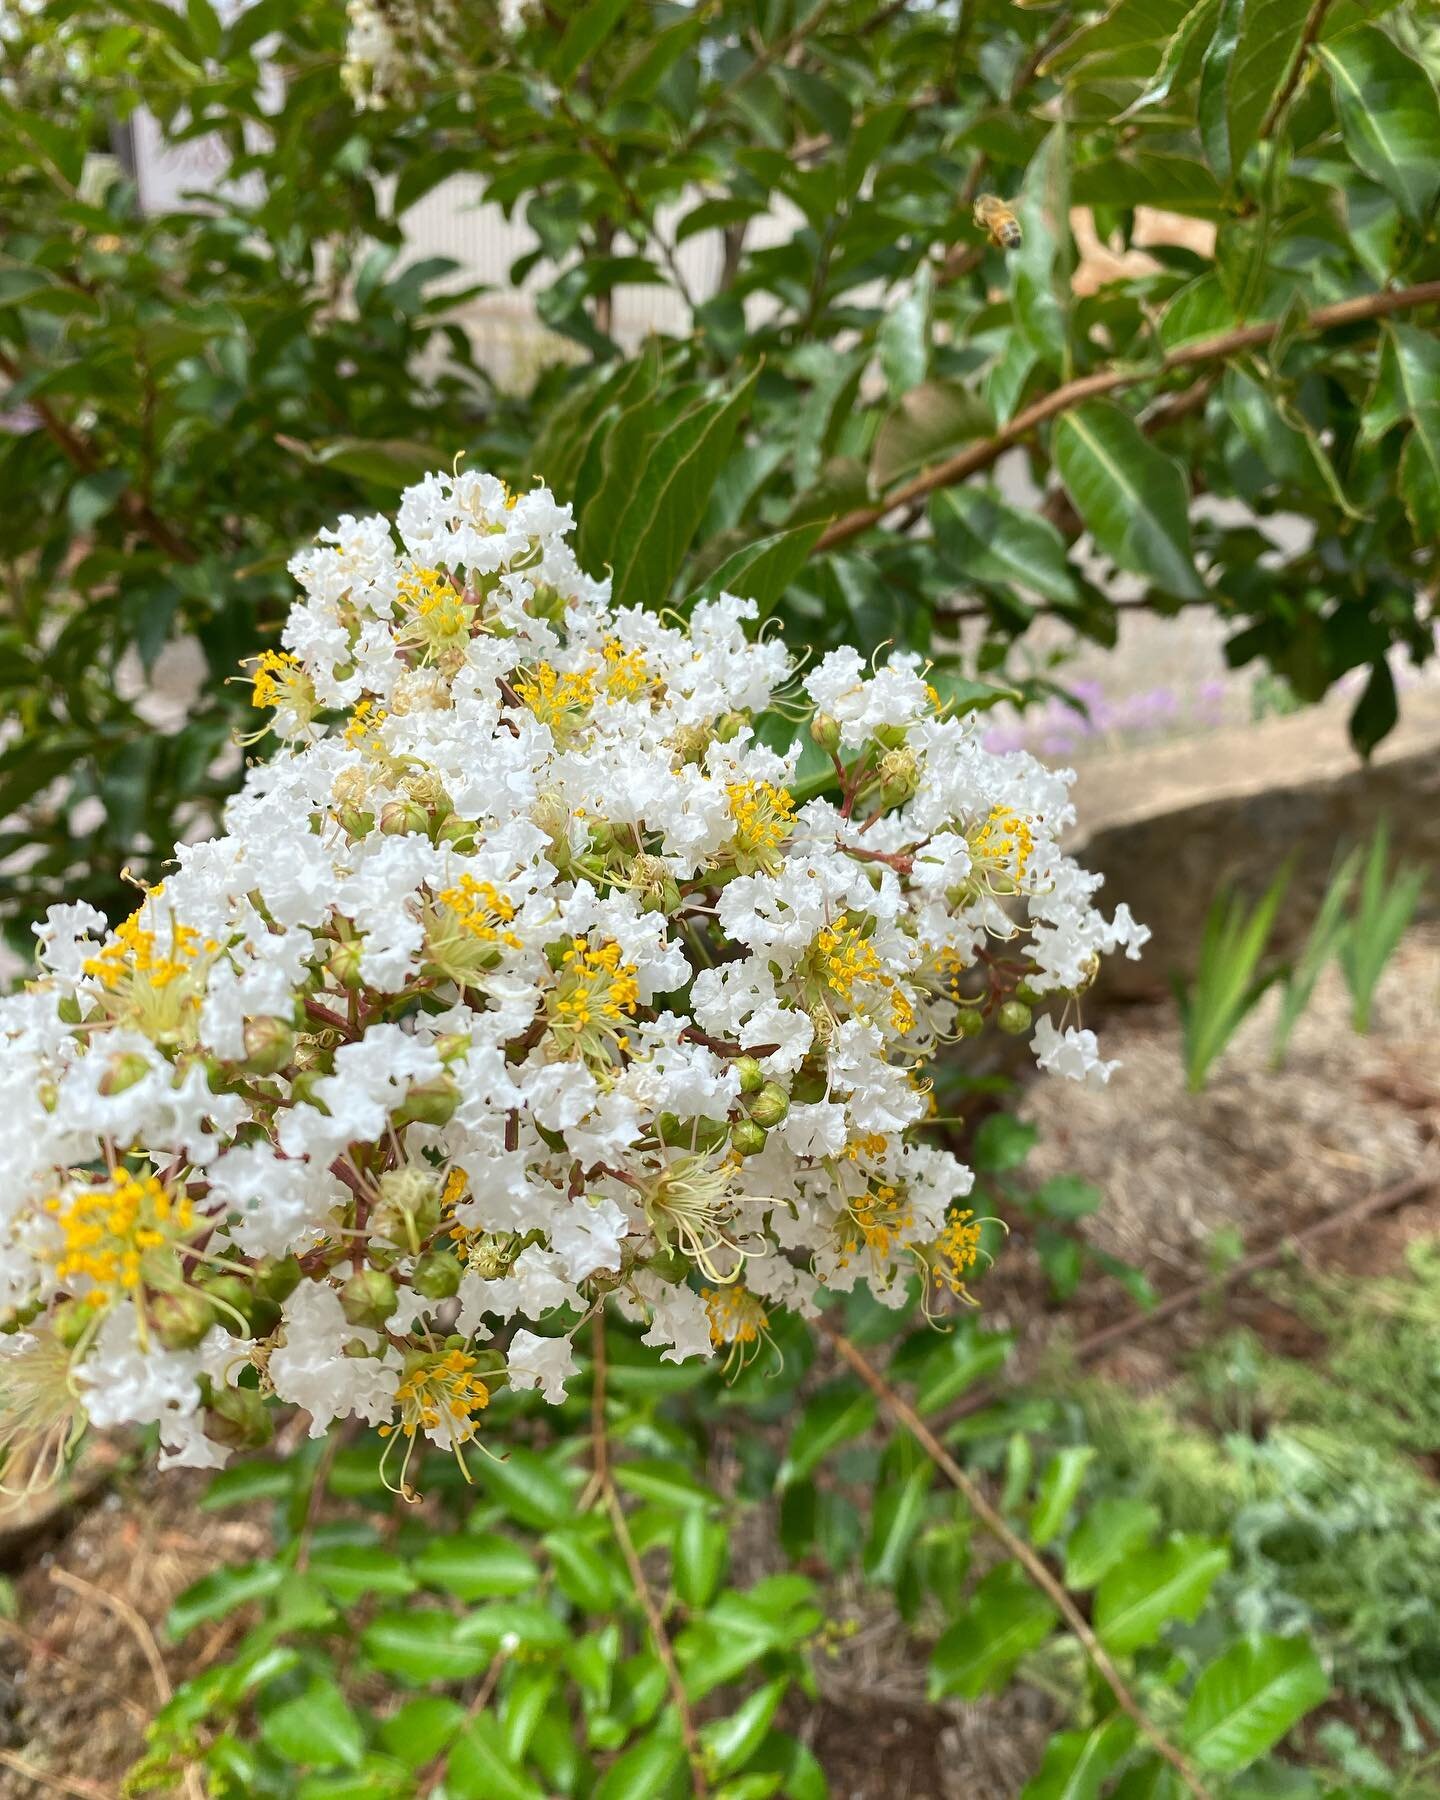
pixel 994 215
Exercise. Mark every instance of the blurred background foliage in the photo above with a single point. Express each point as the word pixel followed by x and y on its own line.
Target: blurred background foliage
pixel 873 418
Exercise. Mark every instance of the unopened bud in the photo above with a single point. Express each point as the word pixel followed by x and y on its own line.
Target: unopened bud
pixel 752 1076
pixel 729 726
pixel 180 1320
pixel 1015 1017
pixel 278 1277
pixel 969 1023
pixel 436 1276
pixel 123 1071
pixel 457 832
pixel 269 1045
pixel 368 1298
pixel 429 1103
pixel 399 818
pixel 770 1105
pixel 747 1137
pixel 355 822
pixel 890 737
pixel 453 1046
pixel 344 964
pixel 825 732
pixel 238 1418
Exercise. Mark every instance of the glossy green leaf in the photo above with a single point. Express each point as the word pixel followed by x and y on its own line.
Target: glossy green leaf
pixel 1078 1763
pixel 478 1768
pixel 983 538
pixel 1006 1619
pixel 1133 498
pixel 584 35
pixel 1248 1698
pixel 1137 1599
pixel 1059 1489
pixel 1389 114
pixel 762 571
pixel 475 1566
pixel 316 1729
pixel 422 1646
pixel 215 1595
pixel 1111 1531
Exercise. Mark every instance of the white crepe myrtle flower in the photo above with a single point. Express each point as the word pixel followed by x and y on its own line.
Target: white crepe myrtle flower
pixel 527 976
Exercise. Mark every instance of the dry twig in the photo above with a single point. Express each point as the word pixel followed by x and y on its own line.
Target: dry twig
pixel 55 1784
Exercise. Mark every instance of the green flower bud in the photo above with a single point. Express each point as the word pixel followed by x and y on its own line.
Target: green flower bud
pixel 1030 994
pixel 278 1277
pixel 1015 1017
pixel 825 732
pixel 752 1076
pixel 748 1137
pixel 890 737
pixel 239 1418
pixel 355 822
pixel 369 1297
pixel 429 1103
pixel 269 1045
pixel 969 1023
pixel 453 1046
pixel 180 1320
pixel 123 1071
pixel 770 1105
pixel 69 1010
pixel 344 964
pixel 436 1276
pixel 457 832
pixel 401 818
pixel 258 1314
pixel 729 726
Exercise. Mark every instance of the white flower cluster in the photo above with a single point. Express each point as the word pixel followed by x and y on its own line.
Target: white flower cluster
pixel 396 51
pixel 526 977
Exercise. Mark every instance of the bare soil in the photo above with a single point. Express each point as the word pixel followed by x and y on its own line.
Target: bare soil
pixel 1259 1153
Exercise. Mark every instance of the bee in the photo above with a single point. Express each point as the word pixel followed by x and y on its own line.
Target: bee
pixel 995 215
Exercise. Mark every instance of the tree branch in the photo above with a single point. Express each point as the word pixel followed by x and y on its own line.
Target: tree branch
pixel 1032 1564
pixel 1292 80
pixel 975 457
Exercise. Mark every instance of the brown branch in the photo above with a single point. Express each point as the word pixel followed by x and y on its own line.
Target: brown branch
pixel 603 1481
pixel 906 1416
pixel 975 457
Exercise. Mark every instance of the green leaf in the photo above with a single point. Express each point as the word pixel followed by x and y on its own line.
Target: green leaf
pixel 1005 1620
pixel 1247 1699
pixel 897 1508
pixel 645 1768
pixel 1059 1488
pixel 667 1483
pixel 1407 389
pixel 422 1646
pixel 702 1549
pixel 983 538
pixel 478 1768
pixel 929 423
pixel 349 1570
pixel 1271 32
pixel 478 1566
pixel 1133 499
pixel 1002 1142
pixel 733 1740
pixel 763 570
pixel 316 1729
pixel 658 506
pixel 92 496
pixel 215 1595
pixel 838 1412
pixel 1172 1581
pixel 903 339
pixel 389 463
pixel 1111 1531
pixel 1388 114
pixel 422 1729
pixel 1214 83
pixel 1078 1763
pixel 531 1490
pixel 584 35
pixel 1181 59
